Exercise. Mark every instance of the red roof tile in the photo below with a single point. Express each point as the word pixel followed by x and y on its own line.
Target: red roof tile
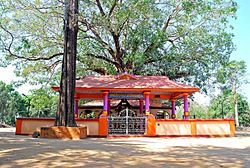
pixel 139 82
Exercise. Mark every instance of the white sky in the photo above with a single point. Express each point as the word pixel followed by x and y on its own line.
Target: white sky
pixel 7 75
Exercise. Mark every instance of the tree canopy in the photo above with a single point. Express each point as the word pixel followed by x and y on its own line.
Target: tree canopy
pixel 11 104
pixel 222 106
pixel 38 103
pixel 41 103
pixel 233 75
pixel 185 40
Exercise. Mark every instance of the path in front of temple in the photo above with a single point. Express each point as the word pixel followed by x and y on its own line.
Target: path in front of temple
pixel 24 151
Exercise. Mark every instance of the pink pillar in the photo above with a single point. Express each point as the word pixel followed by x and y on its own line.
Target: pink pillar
pixel 108 106
pixel 173 109
pixel 141 106
pixel 76 108
pixel 105 103
pixel 186 113
pixel 147 102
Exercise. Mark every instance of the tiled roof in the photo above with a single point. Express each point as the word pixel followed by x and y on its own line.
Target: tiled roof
pixel 126 82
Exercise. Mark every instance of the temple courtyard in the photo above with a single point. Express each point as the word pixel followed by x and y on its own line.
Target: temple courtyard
pixel 25 151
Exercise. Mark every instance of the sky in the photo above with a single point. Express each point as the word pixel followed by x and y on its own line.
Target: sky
pixel 241 40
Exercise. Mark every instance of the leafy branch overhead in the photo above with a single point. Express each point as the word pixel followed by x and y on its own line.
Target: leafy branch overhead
pixel 180 39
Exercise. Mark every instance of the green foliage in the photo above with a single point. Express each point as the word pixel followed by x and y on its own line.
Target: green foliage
pixel 200 111
pixel 42 103
pixel 39 103
pixel 233 75
pixel 222 106
pixel 173 38
pixel 197 110
pixel 234 72
pixel 243 110
pixel 31 31
pixel 11 104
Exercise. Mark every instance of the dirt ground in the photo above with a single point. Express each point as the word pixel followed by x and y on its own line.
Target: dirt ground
pixel 24 151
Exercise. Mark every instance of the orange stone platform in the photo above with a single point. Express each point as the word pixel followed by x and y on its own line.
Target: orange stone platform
pixel 61 132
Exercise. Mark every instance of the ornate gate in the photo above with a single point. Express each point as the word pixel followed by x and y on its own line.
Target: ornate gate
pixel 126 125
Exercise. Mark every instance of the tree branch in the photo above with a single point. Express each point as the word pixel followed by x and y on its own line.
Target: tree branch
pixel 100 71
pixel 167 23
pixel 154 44
pixel 100 7
pixel 103 58
pixel 32 58
pixel 115 35
pixel 54 65
pixel 53 69
pixel 121 27
pixel 113 7
pixel 98 37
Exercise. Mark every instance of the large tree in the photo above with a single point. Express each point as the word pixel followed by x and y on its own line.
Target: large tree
pixel 185 40
pixel 31 38
pixel 40 32
pixel 65 115
pixel 233 75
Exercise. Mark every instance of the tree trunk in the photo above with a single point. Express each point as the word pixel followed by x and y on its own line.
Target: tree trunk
pixel 65 114
pixel 236 115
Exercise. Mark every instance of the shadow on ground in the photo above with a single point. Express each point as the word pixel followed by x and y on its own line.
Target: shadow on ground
pixel 23 151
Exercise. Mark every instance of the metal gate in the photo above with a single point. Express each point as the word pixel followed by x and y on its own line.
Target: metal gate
pixel 126 125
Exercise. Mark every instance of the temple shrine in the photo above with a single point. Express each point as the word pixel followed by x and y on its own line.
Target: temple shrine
pixel 131 105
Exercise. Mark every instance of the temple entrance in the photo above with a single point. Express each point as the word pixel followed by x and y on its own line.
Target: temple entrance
pixel 127 123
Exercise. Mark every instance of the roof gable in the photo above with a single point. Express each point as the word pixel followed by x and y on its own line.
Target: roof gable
pixel 127 81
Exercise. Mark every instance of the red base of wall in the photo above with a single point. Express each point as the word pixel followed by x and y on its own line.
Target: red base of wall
pixel 61 132
pixel 22 127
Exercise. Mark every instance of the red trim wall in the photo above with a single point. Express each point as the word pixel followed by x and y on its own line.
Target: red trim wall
pixel 193 123
pixel 20 122
pixel 151 125
pixel 19 126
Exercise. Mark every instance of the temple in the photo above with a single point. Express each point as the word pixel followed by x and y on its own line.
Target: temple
pixel 131 105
